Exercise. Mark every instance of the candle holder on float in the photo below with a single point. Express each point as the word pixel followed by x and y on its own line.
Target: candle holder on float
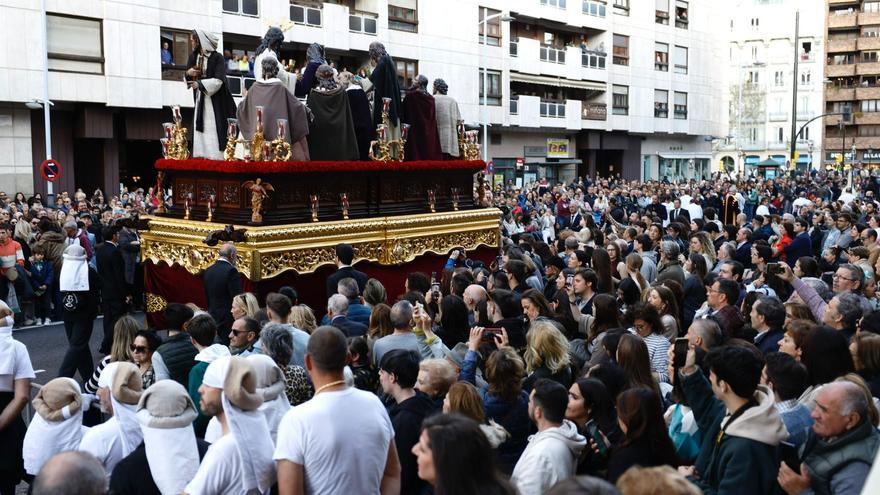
pixel 381 147
pixel 455 198
pixel 313 204
pixel 343 202
pixel 160 191
pixel 468 143
pixel 186 206
pixel 175 145
pixel 432 202
pixel 210 208
pixel 281 149
pixel 258 149
pixel 258 140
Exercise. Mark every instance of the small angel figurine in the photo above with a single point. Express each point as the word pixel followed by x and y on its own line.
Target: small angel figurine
pixel 259 192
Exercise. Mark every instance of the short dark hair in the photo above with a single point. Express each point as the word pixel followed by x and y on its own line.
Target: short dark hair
pixel 251 325
pixel 803 222
pixel 345 253
pixel 589 276
pixel 737 366
pixel 418 281
pixel 508 302
pixel 107 232
pixel 403 364
pixel 729 288
pixel 788 377
pixel 552 397
pixel 202 329
pixel 765 252
pixel 291 294
pixel 153 340
pixel 518 269
pixel 773 311
pixel 736 267
pixel 645 241
pixel 328 348
pixel 176 315
pixel 279 304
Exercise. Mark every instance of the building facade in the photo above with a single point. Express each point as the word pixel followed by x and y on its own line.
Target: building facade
pixel 573 87
pixel 852 72
pixel 763 81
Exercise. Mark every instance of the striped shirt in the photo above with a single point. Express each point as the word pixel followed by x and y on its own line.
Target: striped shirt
pixel 658 346
pixel 10 255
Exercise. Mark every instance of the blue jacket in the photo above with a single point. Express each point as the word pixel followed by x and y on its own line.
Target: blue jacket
pixel 800 246
pixel 513 416
pixel 42 275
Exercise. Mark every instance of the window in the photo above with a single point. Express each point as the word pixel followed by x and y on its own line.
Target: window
pixel 871 56
pixel 493 26
pixel 661 57
pixel 873 7
pixel 514 105
pixel 661 13
pixel 406 71
pixel 243 7
pixel 867 130
pixel 559 4
pixel 75 44
pixel 362 23
pixel 806 77
pixel 756 23
pixel 680 58
pixel 308 15
pixel 593 59
pixel 175 53
pixel 870 105
pixel 869 31
pixel 552 109
pixel 753 77
pixel 804 106
pixel 778 78
pixel 681 14
pixel 494 79
pixel 594 8
pixel 552 55
pixel 661 103
pixel 805 134
pixel 619 99
pixel 404 17
pixel 621 7
pixel 755 53
pixel 621 50
pixel 681 105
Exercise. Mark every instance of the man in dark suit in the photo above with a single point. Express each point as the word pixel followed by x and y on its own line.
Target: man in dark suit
pixel 572 221
pixel 744 247
pixel 678 211
pixel 344 258
pixel 656 208
pixel 222 282
pixel 337 308
pixel 800 245
pixel 114 291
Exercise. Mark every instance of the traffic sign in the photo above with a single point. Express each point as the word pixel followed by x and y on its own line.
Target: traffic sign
pixel 50 170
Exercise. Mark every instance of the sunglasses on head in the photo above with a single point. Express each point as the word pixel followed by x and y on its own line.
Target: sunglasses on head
pixel 138 348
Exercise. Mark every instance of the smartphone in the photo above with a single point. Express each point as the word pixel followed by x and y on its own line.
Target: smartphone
pixel 788 452
pixel 680 352
pixel 490 333
pixel 568 280
pixel 773 268
pixel 596 435
pixel 498 260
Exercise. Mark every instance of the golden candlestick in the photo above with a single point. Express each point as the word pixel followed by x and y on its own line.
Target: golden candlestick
pixel 468 146
pixel 175 146
pixel 381 147
pixel 313 199
pixel 210 208
pixel 343 201
pixel 186 206
pixel 160 192
pixel 432 203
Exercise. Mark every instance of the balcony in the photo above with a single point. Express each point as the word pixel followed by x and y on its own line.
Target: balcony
pixel 860 142
pixel 831 120
pixel 362 23
pixel 869 18
pixel 842 21
pixel 868 43
pixel 862 118
pixel 532 57
pixel 778 116
pixel 837 46
pixel 514 49
pixel 552 55
pixel 840 94
pixel 777 145
pixel 804 115
pixel 593 60
pixel 807 58
pixel 843 70
pixel 552 109
pixel 867 93
pixel 868 68
pixel 843 3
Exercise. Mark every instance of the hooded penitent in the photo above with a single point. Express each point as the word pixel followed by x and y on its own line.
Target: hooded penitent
pixel 209 136
pixel 166 413
pixel 75 270
pixel 57 426
pixel 270 385
pixel 124 382
pixel 241 401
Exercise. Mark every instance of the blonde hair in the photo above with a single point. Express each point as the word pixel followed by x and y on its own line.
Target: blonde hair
pixel 124 332
pixel 302 317
pixel 661 480
pixel 247 303
pixel 707 247
pixel 441 374
pixel 546 346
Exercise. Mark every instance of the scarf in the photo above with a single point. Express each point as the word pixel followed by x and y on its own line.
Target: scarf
pixel 207 40
pixel 57 426
pixel 237 378
pixel 270 385
pixel 124 382
pixel 165 413
pixel 75 270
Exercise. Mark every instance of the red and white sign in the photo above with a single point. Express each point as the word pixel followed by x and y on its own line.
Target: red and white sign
pixel 50 170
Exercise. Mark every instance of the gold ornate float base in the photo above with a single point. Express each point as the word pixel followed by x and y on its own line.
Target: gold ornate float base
pixel 270 251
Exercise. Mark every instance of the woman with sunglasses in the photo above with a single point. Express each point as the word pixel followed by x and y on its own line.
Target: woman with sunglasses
pixel 142 348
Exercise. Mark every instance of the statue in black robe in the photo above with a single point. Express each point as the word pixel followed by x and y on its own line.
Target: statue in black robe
pixel 331 132
pixel 315 56
pixel 360 113
pixel 384 84
pixel 207 72
pixel 418 111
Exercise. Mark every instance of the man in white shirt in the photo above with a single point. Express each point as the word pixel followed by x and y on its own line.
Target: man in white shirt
pixel 340 441
pixel 241 460
pixel 551 454
pixel 119 389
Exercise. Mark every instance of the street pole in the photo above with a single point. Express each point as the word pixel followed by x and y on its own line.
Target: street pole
pixel 842 145
pixel 794 87
pixel 47 124
pixel 484 107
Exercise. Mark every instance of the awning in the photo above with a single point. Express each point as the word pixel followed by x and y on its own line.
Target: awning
pixel 770 162
pixel 803 160
pixel 569 161
pixel 557 81
pixel 779 158
pixel 752 160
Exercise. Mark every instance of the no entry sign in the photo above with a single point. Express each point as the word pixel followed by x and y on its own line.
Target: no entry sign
pixel 50 170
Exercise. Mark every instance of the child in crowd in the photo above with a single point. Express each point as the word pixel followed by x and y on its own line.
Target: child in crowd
pixel 41 279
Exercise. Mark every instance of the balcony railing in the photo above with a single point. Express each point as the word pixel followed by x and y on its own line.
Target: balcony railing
pixel 362 23
pixel 593 60
pixel 552 109
pixel 552 55
pixel 778 116
pixel 514 106
pixel 514 48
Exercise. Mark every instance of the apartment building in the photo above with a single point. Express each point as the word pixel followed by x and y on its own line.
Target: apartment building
pixel 762 81
pixel 852 74
pixel 574 86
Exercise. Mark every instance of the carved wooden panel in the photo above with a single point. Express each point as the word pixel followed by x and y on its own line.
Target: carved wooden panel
pixel 230 194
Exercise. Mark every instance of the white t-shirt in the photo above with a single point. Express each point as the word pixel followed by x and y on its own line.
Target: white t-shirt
pixel 321 433
pixel 103 442
pixel 220 471
pixel 22 368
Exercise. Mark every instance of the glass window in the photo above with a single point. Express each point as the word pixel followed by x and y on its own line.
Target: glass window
pixel 244 7
pixel 362 23
pixel 307 15
pixel 403 19
pixel 175 53
pixel 661 12
pixel 681 105
pixel 594 7
pixel 406 71
pixel 619 100
pixel 493 25
pixel 75 44
pixel 494 81
pixel 661 103
pixel 621 50
pixel 681 14
pixel 680 58
pixel 661 57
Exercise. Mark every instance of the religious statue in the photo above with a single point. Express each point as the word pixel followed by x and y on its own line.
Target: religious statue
pixel 448 117
pixel 423 142
pixel 275 102
pixel 213 101
pixel 270 46
pixel 259 193
pixel 315 56
pixel 383 83
pixel 360 112
pixel 331 132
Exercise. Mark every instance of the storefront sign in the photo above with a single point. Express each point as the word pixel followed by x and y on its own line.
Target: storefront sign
pixel 832 156
pixel 872 156
pixel 594 111
pixel 557 148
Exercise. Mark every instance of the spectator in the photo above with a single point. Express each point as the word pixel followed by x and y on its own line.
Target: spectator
pixel 662 299
pixel 648 325
pixel 645 441
pixel 591 409
pixel 302 317
pixel 142 350
pixel 243 337
pixel 278 310
pixel 865 349
pixel 434 379
pixel 344 259
pixel 463 398
pixel 337 316
pixel 547 355
pixel 787 379
pixel 767 317
pixel 124 332
pixel 202 331
pixel 705 334
pixel 721 297
pixel 505 311
pixel 244 304
pixel 71 473
pixel 660 479
pixel 279 346
pixel 401 316
pixel 176 356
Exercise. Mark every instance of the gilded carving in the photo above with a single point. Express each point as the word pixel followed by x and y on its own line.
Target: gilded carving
pixel 155 303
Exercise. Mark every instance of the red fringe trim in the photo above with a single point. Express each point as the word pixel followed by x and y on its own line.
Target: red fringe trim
pixel 238 167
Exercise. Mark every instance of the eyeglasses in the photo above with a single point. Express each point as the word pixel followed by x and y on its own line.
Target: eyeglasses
pixel 238 332
pixel 140 349
pixel 838 277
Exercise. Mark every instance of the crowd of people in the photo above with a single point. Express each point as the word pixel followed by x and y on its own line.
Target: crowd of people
pixel 713 336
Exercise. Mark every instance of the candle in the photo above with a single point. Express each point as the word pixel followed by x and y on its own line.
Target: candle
pixel 167 127
pixel 381 130
pixel 282 128
pixel 232 128
pixel 404 131
pixel 164 142
pixel 266 149
pixel 259 116
pixel 175 111
pixel 386 104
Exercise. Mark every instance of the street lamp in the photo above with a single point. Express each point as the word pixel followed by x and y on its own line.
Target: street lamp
pixel 485 65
